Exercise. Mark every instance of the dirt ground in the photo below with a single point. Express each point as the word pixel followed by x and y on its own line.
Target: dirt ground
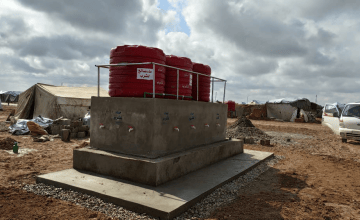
pixel 318 179
pixel 15 172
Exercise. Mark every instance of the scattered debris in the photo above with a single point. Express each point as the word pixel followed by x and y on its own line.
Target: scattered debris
pixel 35 129
pixel 12 113
pixel 3 126
pixel 265 142
pixel 44 138
pixel 20 127
pixel 7 143
pixel 83 144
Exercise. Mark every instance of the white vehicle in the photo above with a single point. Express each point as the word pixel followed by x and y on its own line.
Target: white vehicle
pixel 349 123
pixel 331 117
pixel 343 120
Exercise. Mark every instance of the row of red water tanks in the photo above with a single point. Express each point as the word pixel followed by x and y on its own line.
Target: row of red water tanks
pixel 135 80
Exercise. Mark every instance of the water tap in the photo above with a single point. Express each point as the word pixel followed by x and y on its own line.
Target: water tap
pixel 207 125
pixel 102 126
pixel 131 128
pixel 193 126
pixel 176 128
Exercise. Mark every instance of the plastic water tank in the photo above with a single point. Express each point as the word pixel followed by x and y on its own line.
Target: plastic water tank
pixel 204 82
pixel 134 80
pixel 185 78
pixel 231 105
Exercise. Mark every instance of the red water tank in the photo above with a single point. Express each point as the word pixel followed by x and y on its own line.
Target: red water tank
pixel 185 78
pixel 204 82
pixel 134 80
pixel 231 105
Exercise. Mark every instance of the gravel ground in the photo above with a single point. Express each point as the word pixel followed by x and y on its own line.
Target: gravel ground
pixel 219 197
pixel 281 138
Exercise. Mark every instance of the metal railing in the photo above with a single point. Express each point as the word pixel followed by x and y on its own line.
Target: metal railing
pixel 177 87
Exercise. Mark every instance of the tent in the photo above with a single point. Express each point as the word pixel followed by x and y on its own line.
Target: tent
pixel 286 109
pixel 9 96
pixel 256 102
pixel 55 101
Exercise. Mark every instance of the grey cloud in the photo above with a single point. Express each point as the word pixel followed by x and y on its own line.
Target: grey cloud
pixel 257 67
pixel 107 16
pixel 18 65
pixel 12 26
pixel 321 9
pixel 64 47
pixel 118 18
pixel 317 58
pixel 254 32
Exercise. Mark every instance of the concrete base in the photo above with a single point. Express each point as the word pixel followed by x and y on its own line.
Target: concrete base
pixel 166 201
pixel 157 171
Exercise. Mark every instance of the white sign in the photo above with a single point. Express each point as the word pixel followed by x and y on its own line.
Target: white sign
pixel 144 73
pixel 190 83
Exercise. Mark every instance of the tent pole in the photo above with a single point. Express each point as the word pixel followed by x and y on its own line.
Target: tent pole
pixel 98 81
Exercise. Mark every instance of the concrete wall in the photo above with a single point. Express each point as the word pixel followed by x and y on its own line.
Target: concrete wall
pixel 153 121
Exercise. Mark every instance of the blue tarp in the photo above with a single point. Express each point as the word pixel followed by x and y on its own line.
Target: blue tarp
pixel 21 127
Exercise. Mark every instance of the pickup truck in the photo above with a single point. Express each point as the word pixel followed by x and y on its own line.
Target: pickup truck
pixel 343 121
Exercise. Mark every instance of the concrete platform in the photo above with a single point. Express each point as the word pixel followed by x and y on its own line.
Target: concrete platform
pixel 166 201
pixel 154 172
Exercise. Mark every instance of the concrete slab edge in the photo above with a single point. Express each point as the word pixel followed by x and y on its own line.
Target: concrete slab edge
pixel 192 202
pixel 107 198
pixel 143 209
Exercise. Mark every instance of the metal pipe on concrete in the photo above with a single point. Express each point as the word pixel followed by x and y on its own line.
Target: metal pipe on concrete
pixel 224 92
pixel 98 81
pixel 123 64
pixel 212 90
pixel 197 88
pixel 153 80
pixel 177 87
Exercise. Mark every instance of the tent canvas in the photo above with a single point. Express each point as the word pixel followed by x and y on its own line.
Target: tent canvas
pixel 56 101
pixel 283 111
pixel 9 96
pixel 286 108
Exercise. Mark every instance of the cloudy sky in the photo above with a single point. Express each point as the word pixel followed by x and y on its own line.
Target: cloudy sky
pixel 265 49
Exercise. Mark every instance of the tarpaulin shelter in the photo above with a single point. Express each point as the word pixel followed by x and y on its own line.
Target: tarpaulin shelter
pixel 9 96
pixel 286 109
pixel 55 101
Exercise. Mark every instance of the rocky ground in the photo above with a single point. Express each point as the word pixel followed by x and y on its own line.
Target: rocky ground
pixel 312 176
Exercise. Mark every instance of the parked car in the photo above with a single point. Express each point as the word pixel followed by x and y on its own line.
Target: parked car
pixel 331 117
pixel 343 120
pixel 349 122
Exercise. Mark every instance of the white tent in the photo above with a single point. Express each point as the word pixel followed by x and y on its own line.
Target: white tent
pixel 256 102
pixel 286 108
pixel 55 101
